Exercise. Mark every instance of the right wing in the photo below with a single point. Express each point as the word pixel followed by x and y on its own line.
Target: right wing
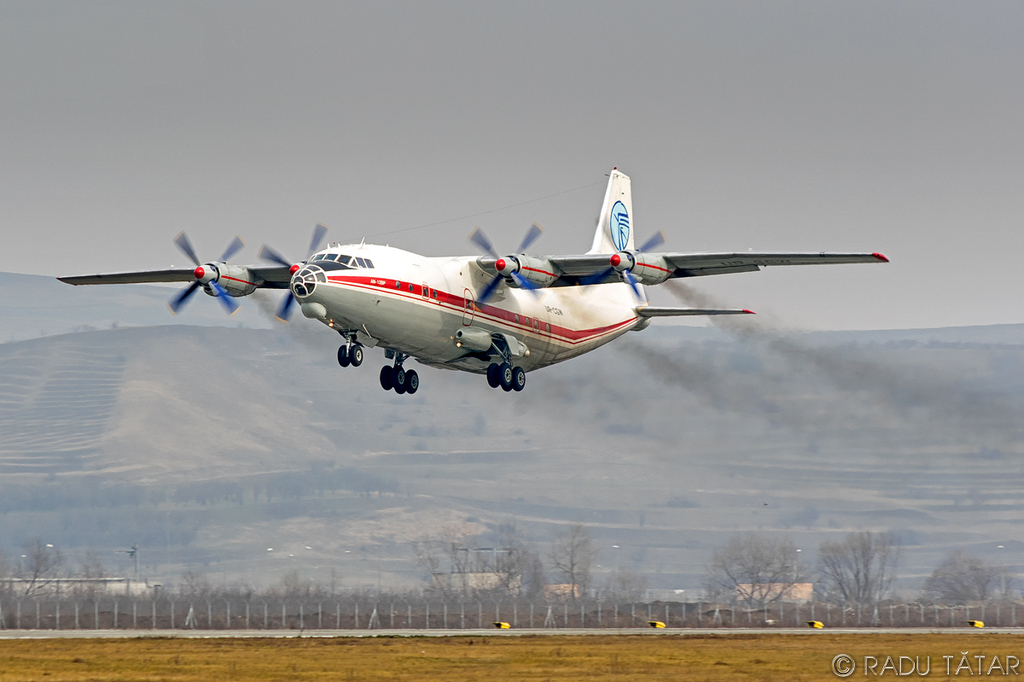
pixel 261 276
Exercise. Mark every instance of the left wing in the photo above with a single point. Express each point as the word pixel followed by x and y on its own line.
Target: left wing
pixel 652 267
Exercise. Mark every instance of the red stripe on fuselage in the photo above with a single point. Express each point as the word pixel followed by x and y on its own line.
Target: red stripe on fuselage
pixel 458 304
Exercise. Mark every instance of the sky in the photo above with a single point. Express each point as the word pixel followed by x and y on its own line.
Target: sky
pixel 800 126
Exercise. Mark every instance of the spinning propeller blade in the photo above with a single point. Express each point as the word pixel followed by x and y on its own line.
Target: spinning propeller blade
pixel 318 236
pixel 234 247
pixel 267 253
pixel 657 240
pixel 225 298
pixel 531 236
pixel 480 239
pixel 286 308
pixel 178 302
pixel 182 242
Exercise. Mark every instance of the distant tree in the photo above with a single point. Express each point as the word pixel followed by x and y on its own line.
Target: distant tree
pixel 448 549
pixel 860 568
pixel 755 569
pixel 194 585
pixel 572 555
pixel 41 565
pixel 626 586
pixel 962 579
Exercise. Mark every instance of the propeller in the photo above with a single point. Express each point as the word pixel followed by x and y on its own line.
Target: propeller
pixel 185 246
pixel 656 240
pixel 481 240
pixel 269 254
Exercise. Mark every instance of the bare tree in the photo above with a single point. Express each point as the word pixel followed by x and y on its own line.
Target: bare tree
pixel 962 579
pixel 755 569
pixel 626 586
pixel 194 585
pixel 449 549
pixel 859 568
pixel 40 567
pixel 572 555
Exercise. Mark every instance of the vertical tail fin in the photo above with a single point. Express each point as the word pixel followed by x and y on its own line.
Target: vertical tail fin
pixel 614 223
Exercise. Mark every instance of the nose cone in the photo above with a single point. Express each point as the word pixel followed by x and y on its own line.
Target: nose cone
pixel 305 280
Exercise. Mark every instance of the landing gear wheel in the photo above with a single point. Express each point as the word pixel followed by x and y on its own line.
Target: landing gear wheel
pixel 355 355
pixel 493 375
pixel 385 378
pixel 398 380
pixel 506 377
pixel 518 378
pixel 412 381
pixel 343 358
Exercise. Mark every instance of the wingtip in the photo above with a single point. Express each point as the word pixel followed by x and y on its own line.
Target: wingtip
pixel 880 257
pixel 747 311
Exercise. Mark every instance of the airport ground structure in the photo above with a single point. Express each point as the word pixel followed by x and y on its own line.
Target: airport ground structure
pixel 402 612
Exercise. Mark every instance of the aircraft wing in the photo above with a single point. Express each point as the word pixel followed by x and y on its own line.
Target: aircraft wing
pixel 595 268
pixel 265 276
pixel 698 264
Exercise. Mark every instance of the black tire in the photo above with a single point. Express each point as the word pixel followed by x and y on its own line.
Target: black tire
pixel 493 375
pixel 518 378
pixel 385 378
pixel 506 377
pixel 343 356
pixel 398 380
pixel 355 355
pixel 412 381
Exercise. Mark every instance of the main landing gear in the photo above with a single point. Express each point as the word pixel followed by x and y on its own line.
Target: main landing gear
pixel 505 375
pixel 398 378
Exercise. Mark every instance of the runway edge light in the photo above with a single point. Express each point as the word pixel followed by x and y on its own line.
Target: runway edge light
pixel 502 625
pixel 655 623
pixel 976 623
pixel 816 624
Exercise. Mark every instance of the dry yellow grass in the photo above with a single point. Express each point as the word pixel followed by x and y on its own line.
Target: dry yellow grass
pixel 619 658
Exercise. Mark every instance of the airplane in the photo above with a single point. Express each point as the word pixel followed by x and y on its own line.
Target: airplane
pixel 498 315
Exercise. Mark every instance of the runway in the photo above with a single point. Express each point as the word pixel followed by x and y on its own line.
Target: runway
pixel 494 632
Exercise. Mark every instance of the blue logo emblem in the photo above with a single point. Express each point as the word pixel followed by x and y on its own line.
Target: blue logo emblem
pixel 619 224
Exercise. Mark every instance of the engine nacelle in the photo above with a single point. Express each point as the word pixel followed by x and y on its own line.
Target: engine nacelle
pixel 473 339
pixel 537 271
pixel 234 279
pixel 647 269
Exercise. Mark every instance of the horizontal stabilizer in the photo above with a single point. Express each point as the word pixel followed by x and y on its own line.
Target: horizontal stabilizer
pixel 657 311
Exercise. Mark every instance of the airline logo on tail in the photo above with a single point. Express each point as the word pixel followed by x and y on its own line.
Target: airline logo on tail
pixel 619 224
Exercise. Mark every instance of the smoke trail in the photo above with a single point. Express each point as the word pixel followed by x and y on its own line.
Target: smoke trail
pixel 298 328
pixel 909 394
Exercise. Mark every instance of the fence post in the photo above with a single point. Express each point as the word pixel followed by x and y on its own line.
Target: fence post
pixel 135 614
pixel 57 612
pixel 531 615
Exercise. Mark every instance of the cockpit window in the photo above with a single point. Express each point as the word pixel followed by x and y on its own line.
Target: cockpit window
pixel 344 260
pixel 319 256
pixel 369 263
pixel 362 263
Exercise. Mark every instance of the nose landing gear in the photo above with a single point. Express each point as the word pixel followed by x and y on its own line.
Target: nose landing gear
pixel 350 354
pixel 398 378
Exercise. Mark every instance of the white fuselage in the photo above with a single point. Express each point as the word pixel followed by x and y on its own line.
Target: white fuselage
pixel 415 305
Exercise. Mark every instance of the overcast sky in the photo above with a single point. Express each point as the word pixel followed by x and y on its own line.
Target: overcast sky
pixel 869 126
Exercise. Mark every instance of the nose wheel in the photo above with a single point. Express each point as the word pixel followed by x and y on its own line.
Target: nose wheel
pixel 399 379
pixel 350 354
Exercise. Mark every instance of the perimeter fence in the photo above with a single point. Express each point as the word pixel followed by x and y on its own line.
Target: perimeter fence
pixel 281 613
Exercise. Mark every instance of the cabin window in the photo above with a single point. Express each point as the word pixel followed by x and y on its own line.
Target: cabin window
pixel 526 321
pixel 433 292
pixel 398 285
pixel 517 319
pixel 536 323
pixel 547 326
pixel 410 286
